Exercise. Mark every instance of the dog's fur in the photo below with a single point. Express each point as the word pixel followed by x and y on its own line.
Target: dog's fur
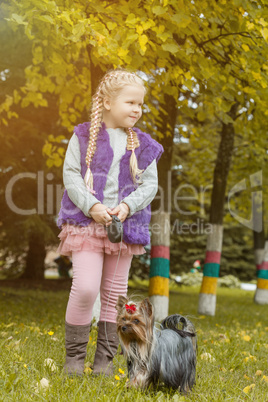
pixel 153 356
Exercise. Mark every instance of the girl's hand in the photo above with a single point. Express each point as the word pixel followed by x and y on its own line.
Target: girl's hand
pixel 122 211
pixel 100 214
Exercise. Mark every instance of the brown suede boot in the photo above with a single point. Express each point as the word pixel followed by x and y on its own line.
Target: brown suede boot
pixel 107 345
pixel 76 340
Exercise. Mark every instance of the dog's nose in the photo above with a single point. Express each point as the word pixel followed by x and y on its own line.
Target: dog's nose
pixel 124 329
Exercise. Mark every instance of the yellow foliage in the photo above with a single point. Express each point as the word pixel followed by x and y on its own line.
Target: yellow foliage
pixel 264 32
pixel 122 52
pixel 158 10
pixel 143 39
pixel 250 25
pixel 245 47
pixel 139 29
pixel 263 22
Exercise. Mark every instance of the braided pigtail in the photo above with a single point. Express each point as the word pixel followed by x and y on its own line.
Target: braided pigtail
pixel 96 117
pixel 132 144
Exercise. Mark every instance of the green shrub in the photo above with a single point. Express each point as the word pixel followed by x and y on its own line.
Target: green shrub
pixel 229 281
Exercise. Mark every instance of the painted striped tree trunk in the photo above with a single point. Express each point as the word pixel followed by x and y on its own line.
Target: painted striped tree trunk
pixel 160 222
pixel 207 296
pixel 160 262
pixel 261 294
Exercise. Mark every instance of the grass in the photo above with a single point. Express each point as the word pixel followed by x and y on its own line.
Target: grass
pixel 232 357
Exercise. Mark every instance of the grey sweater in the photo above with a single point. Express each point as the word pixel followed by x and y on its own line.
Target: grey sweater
pixel 84 200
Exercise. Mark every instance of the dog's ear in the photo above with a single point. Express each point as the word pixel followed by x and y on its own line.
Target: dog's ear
pixel 121 301
pixel 147 307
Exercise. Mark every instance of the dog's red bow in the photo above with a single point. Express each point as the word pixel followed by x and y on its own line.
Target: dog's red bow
pixel 130 308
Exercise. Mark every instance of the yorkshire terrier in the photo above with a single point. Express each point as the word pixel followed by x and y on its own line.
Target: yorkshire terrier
pixel 154 355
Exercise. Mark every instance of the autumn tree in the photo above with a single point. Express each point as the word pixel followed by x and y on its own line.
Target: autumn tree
pixel 201 52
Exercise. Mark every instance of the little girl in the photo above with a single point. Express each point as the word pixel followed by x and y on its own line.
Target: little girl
pixel 109 169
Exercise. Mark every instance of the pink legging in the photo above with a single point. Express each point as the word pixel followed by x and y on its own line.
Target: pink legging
pixel 95 272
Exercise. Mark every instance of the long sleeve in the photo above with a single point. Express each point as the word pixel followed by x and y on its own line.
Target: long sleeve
pixel 146 191
pixel 73 180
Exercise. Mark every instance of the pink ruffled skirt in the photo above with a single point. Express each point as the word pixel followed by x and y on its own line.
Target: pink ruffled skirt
pixel 93 237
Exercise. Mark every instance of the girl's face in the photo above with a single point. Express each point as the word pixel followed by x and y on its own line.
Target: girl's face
pixel 125 110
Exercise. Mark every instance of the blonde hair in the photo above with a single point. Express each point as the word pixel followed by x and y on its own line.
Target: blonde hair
pixel 110 86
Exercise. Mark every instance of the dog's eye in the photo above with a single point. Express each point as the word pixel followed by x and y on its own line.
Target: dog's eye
pixel 124 319
pixel 136 321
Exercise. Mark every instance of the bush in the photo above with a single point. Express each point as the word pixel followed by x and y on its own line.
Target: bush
pixel 229 281
pixel 195 279
pixel 192 279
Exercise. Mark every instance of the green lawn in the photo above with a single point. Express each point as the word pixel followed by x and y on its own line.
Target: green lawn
pixel 232 356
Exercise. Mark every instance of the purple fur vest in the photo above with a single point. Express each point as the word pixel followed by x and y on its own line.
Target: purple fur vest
pixel 136 227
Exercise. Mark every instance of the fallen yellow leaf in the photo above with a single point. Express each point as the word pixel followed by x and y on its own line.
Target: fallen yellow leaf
pixel 247 389
pixel 250 358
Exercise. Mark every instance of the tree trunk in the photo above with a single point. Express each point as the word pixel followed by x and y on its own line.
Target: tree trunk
pixel 261 295
pixel 35 261
pixel 207 296
pixel 160 223
pixel 96 72
pixel 96 75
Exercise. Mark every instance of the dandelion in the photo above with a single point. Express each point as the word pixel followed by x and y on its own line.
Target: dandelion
pixel 246 338
pixel 247 389
pixel 50 333
pixel 25 365
pixel 265 378
pixel 117 378
pixel 121 371
pixel 87 370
